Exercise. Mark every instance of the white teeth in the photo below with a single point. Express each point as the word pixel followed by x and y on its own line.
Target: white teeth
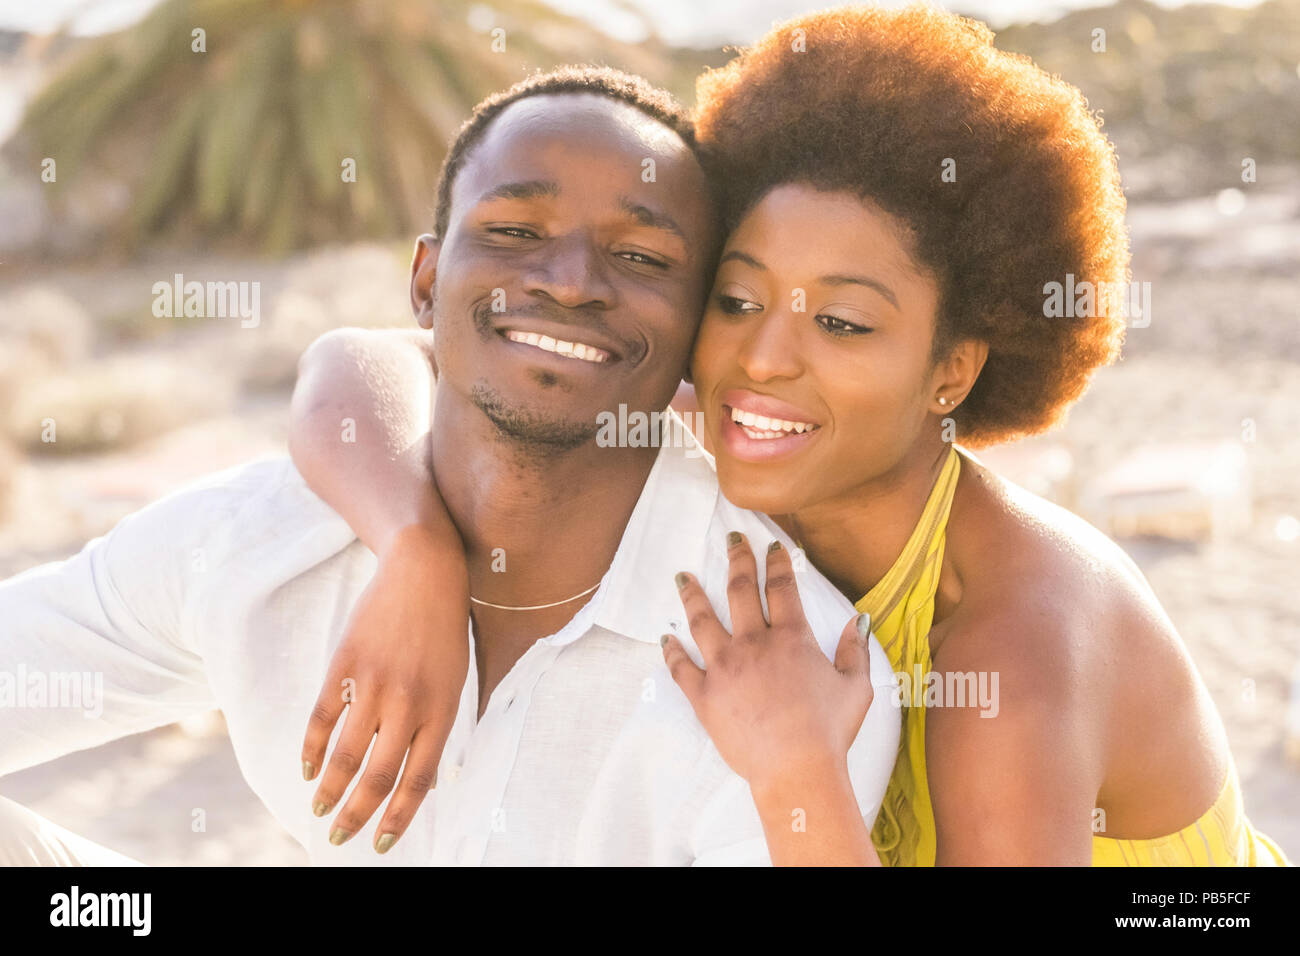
pixel 575 350
pixel 759 426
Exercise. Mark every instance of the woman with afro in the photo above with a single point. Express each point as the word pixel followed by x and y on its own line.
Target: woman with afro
pixel 899 197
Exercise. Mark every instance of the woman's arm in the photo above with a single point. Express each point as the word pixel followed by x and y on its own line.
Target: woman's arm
pixel 1015 784
pixel 359 431
pixel 360 437
pixel 781 715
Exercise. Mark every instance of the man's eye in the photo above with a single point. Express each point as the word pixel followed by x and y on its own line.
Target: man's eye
pixel 640 258
pixel 734 306
pixel 514 232
pixel 837 326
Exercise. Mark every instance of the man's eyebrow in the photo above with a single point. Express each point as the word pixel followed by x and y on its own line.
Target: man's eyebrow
pixel 528 189
pixel 650 217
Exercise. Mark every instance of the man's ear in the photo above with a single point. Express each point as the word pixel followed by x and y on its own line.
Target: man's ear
pixel 424 272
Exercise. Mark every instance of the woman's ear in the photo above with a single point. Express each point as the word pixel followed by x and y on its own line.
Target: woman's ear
pixel 424 272
pixel 955 375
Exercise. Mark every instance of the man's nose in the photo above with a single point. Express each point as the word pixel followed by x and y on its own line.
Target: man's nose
pixel 571 270
pixel 771 348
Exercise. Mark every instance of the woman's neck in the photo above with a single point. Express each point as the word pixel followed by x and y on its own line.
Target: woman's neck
pixel 855 538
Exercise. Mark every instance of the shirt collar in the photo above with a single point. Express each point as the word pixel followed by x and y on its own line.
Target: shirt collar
pixel 666 533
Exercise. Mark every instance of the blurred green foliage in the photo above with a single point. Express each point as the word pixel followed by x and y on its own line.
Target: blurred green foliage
pixel 247 140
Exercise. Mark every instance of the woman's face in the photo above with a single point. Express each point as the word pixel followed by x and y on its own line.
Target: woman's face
pixel 821 320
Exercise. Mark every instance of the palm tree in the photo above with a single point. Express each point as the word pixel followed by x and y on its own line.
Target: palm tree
pixel 248 139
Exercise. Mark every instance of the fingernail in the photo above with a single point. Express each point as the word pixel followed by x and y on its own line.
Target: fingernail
pixel 663 641
pixel 864 626
pixel 385 842
pixel 682 579
pixel 308 770
pixel 774 546
pixel 320 808
pixel 734 538
pixel 338 835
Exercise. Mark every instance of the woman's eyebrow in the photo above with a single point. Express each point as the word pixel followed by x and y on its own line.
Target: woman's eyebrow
pixel 746 258
pixel 867 281
pixel 527 189
pixel 832 280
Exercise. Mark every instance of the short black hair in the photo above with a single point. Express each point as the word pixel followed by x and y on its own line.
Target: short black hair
pixel 624 87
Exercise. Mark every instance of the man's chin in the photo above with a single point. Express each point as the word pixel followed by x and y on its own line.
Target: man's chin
pixel 535 427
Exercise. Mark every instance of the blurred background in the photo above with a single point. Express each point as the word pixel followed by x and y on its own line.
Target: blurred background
pixel 221 156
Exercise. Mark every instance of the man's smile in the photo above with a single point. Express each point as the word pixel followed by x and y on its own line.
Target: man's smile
pixel 574 350
pixel 566 344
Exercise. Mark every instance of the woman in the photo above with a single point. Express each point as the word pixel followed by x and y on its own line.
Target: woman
pixel 899 195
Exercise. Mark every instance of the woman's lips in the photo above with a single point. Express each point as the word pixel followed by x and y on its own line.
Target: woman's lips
pixel 763 438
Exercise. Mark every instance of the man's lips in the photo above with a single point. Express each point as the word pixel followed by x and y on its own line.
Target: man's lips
pixel 566 341
pixel 759 427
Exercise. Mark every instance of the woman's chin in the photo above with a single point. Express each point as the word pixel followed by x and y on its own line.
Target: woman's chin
pixel 762 488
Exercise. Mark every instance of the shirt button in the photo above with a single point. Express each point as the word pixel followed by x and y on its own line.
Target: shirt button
pixel 453 772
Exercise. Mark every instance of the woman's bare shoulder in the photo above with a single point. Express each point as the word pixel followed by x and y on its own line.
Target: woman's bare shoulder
pixel 1055 588
pixel 1051 601
pixel 1030 544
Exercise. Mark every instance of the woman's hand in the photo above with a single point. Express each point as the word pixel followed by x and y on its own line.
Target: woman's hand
pixel 780 714
pixel 400 670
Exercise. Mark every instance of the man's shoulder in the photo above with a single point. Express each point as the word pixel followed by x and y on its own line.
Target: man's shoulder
pixel 230 513
pixel 826 608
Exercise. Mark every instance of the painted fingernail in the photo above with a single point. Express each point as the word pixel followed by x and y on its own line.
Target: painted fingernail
pixel 385 842
pixel 774 546
pixel 734 538
pixel 663 641
pixel 320 808
pixel 338 835
pixel 308 770
pixel 864 626
pixel 682 579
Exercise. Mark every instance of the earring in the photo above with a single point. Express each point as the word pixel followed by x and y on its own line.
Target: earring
pixel 942 400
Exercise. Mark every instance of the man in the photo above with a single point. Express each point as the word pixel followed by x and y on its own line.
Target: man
pixel 564 282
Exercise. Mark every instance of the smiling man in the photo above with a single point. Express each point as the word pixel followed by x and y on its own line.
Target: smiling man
pixel 564 281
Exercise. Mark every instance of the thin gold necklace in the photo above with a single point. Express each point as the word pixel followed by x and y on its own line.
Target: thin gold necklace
pixel 533 607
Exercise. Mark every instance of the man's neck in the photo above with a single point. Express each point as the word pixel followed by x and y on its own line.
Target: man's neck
pixel 539 525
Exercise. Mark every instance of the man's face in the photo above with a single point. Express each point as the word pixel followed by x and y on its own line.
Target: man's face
pixel 573 272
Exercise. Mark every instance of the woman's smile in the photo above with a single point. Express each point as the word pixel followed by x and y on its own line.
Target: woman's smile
pixel 757 427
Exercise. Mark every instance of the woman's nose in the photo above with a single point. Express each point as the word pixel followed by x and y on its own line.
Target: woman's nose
pixel 771 350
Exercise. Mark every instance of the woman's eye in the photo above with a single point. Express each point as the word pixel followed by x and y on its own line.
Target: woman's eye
pixel 838 326
pixel 734 306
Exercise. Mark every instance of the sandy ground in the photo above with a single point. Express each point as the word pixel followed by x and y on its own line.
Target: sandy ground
pixel 1223 348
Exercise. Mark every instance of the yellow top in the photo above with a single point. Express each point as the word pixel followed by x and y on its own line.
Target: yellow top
pixel 901 606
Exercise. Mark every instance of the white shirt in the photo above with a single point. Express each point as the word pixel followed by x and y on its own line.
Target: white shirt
pixel 235 592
